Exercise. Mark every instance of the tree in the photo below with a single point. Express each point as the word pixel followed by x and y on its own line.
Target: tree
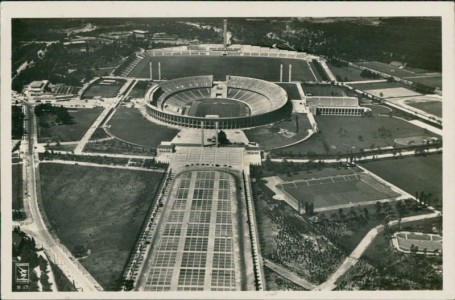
pixel 222 138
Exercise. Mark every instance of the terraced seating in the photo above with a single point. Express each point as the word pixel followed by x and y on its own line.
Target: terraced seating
pixel 333 101
pixel 171 87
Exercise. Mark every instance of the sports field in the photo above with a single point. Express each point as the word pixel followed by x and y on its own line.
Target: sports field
pixel 128 124
pixel 426 243
pixel 326 192
pixel 412 174
pixel 341 135
pixel 82 119
pixel 347 73
pixel 220 66
pixel 432 107
pixel 16 178
pixel 223 108
pixel 100 209
pixel 106 90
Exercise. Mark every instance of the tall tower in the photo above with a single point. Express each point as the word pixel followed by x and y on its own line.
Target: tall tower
pixel 151 71
pixel 159 71
pixel 290 73
pixel 202 133
pixel 225 33
pixel 281 73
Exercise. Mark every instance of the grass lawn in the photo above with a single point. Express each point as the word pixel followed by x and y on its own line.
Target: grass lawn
pixel 17 195
pixel 347 73
pixel 101 209
pixel 432 107
pixel 385 68
pixel 83 118
pixel 118 147
pixel 412 174
pixel 432 81
pixel 140 88
pixel 292 90
pixel 219 66
pixel 378 85
pixel 269 138
pixel 341 135
pixel 129 124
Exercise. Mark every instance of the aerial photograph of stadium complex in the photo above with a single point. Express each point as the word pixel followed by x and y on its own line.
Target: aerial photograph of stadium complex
pixel 226 154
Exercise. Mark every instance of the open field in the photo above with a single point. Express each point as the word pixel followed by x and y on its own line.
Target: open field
pixel 82 120
pixel 341 135
pixel 103 90
pixel 412 174
pixel 220 66
pixel 129 125
pixel 393 92
pixel 292 90
pixel 16 178
pixel 269 137
pixel 347 73
pixel 100 209
pixel 338 190
pixel 432 81
pixel 432 107
pixel 385 68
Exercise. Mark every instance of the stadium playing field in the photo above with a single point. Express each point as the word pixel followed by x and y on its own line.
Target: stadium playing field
pixel 255 67
pixel 103 89
pixel 223 108
pixel 426 243
pixel 332 191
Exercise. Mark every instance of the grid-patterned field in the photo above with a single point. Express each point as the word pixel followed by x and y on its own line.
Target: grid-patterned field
pixel 196 246
pixel 338 190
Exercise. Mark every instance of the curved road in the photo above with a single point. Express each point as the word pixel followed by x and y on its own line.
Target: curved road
pixel 37 227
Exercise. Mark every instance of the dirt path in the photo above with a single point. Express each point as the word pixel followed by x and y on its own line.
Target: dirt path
pixel 289 275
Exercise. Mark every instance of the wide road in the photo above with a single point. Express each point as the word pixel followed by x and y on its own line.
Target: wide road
pixel 37 228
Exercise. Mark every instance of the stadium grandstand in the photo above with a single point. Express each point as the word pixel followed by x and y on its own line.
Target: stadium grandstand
pixel 335 106
pixel 238 102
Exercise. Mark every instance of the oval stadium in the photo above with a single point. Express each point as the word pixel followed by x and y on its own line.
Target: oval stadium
pixel 237 102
